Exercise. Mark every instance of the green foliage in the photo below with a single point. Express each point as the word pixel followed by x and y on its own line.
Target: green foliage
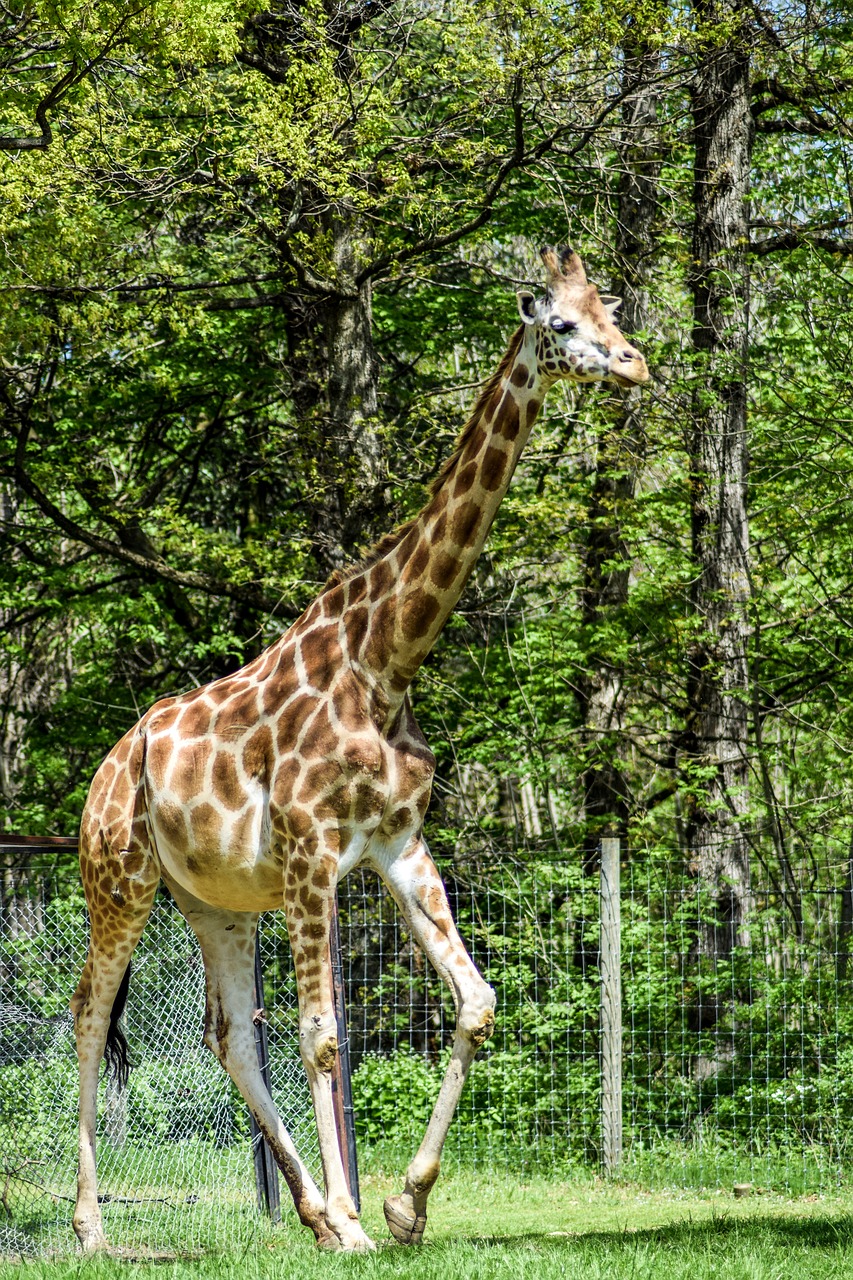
pixel 393 1096
pixel 217 190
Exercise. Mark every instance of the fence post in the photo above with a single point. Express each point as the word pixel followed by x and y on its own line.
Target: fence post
pixel 266 1170
pixel 611 1007
pixel 341 1072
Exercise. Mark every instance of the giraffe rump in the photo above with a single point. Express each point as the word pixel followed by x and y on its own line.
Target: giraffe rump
pixel 389 541
pixel 116 1053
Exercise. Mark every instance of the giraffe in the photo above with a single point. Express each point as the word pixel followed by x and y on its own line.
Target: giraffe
pixel 262 790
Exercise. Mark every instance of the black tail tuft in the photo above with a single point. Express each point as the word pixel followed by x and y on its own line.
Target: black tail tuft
pixel 115 1051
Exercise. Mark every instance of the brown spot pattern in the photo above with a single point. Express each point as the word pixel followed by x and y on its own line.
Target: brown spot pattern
pixel 381 638
pixel 205 823
pixel 226 782
pixel 419 561
pixel 444 568
pixel 509 419
pixel 494 468
pixel 475 443
pixel 466 520
pixel 257 754
pixel 420 611
pixel 322 656
pixel 356 628
pixel 464 479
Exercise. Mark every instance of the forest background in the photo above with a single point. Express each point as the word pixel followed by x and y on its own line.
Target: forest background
pixel 255 264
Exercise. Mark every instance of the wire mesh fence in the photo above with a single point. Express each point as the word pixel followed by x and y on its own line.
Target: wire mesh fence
pixel 175 1153
pixel 736 1066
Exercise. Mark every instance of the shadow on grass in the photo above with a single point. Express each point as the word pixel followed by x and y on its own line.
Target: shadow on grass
pixel 770 1231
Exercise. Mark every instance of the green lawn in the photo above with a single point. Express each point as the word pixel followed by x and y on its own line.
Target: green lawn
pixel 538 1230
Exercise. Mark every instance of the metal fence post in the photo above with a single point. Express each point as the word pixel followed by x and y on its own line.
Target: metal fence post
pixel 611 1007
pixel 266 1170
pixel 342 1072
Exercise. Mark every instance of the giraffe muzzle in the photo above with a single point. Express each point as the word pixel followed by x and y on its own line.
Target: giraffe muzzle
pixel 629 370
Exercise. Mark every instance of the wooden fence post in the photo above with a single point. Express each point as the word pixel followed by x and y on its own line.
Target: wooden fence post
pixel 611 1007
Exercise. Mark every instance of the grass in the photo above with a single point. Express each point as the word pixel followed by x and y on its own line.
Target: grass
pixel 534 1229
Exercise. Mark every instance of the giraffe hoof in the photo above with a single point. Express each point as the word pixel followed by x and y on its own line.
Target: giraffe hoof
pixel 89 1231
pixel 92 1241
pixel 329 1242
pixel 348 1237
pixel 361 1244
pixel 406 1226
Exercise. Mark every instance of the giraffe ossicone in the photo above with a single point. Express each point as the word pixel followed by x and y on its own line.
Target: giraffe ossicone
pixel 261 790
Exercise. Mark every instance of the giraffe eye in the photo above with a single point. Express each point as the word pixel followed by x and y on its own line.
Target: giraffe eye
pixel 562 326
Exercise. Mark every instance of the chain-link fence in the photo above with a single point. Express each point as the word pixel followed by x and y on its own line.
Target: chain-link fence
pixel 736 1066
pixel 175 1149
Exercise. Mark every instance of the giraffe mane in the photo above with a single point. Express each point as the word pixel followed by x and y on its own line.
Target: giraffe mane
pixel 389 541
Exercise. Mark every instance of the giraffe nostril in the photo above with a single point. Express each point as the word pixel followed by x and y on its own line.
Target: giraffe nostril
pixel 630 355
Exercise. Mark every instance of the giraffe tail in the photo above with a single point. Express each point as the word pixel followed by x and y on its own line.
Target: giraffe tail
pixel 116 1053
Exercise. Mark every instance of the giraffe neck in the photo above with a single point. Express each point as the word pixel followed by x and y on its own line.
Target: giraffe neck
pixel 394 608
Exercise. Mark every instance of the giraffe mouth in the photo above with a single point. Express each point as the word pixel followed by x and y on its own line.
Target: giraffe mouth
pixel 624 380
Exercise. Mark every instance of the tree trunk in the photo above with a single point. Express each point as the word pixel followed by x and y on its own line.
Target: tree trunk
pixel 351 448
pixel 606 567
pixel 331 370
pixel 333 379
pixel 717 660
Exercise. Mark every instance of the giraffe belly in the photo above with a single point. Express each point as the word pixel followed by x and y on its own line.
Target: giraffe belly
pixel 224 858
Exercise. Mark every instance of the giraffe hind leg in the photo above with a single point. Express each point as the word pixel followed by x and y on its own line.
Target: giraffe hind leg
pixel 97 1005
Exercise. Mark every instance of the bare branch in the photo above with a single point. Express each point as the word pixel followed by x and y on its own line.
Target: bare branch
pixel 47 103
pixel 797 239
pixel 518 157
pixel 72 77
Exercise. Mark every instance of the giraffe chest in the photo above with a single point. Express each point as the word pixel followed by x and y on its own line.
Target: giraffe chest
pixel 412 766
pixel 230 809
pixel 369 787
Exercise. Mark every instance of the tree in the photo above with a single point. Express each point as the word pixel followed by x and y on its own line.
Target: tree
pixel 717 689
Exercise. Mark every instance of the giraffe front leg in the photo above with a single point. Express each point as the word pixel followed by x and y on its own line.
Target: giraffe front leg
pixel 309 900
pixel 227 940
pixel 413 879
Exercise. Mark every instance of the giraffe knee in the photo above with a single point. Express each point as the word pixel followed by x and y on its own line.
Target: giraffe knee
pixel 318 1041
pixel 477 1016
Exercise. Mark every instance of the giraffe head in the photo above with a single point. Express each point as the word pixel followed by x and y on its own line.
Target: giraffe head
pixel 576 338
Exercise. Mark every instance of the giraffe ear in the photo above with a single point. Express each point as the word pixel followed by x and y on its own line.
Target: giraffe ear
pixel 611 304
pixel 526 306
